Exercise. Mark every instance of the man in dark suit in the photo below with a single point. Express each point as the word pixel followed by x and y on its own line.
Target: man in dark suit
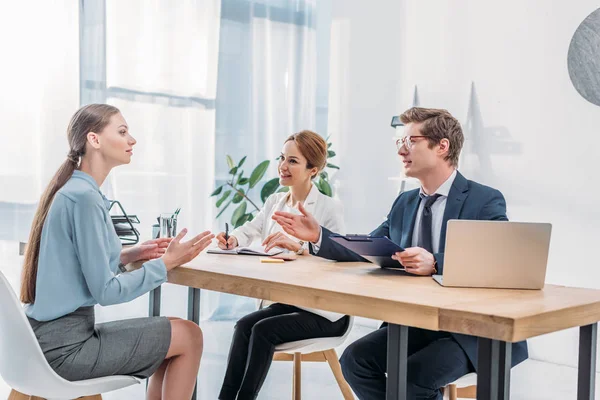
pixel 417 222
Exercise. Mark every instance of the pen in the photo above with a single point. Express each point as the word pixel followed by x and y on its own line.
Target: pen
pixel 226 235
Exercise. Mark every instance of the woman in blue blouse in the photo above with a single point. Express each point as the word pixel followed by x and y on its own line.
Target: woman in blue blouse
pixel 74 260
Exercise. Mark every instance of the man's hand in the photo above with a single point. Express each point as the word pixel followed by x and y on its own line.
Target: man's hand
pixel 282 241
pixel 304 227
pixel 149 250
pixel 416 260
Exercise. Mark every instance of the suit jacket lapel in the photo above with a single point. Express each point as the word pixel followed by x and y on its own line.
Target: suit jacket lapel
pixel 408 219
pixel 456 198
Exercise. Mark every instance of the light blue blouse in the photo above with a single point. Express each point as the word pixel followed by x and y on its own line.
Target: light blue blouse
pixel 80 253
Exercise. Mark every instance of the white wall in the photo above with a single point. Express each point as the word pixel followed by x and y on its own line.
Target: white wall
pixel 364 71
pixel 501 69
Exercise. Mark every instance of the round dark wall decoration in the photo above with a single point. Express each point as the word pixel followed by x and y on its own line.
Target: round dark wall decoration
pixel 583 59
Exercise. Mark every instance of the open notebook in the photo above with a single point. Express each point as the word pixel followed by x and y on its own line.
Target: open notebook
pixel 249 250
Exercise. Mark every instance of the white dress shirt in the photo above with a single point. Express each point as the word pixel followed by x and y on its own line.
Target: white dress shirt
pixel 437 211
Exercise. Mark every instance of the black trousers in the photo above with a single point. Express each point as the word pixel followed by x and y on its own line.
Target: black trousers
pixel 434 360
pixel 254 341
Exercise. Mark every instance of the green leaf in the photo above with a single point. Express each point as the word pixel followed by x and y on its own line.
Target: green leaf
pixel 328 145
pixel 223 209
pixel 223 198
pixel 242 220
pixel 241 161
pixel 238 197
pixel 283 189
pixel 230 162
pixel 269 188
pixel 217 191
pixel 326 188
pixel 250 217
pixel 332 166
pixel 330 153
pixel 239 177
pixel 243 181
pixel 237 214
pixel 258 172
pixel 233 170
pixel 324 175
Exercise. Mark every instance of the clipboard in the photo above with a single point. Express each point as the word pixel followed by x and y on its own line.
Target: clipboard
pixel 376 249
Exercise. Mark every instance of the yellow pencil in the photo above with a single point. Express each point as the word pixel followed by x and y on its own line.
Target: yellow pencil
pixel 271 260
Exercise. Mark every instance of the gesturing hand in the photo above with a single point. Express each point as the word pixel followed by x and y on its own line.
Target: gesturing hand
pixel 416 260
pixel 179 252
pixel 304 226
pixel 280 240
pixel 149 250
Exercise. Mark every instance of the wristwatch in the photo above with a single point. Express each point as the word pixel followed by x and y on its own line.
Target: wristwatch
pixel 301 249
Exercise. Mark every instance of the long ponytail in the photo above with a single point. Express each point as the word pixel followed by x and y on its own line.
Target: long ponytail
pixel 90 118
pixel 32 252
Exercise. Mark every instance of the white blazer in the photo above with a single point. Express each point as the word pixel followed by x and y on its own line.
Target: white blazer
pixel 328 211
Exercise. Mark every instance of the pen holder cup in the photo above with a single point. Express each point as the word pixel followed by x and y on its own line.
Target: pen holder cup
pixel 168 225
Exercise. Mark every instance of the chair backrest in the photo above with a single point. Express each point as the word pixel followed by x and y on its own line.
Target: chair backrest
pixel 350 325
pixel 22 363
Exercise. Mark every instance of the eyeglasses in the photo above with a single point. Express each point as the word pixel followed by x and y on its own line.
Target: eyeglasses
pixel 407 141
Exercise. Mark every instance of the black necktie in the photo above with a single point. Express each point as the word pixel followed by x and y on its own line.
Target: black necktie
pixel 424 237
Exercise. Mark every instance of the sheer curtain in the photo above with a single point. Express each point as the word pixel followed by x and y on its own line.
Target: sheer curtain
pixel 39 81
pixel 267 90
pixel 161 71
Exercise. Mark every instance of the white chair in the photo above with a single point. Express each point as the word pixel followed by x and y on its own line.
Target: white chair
pixel 319 350
pixel 23 365
pixel 464 387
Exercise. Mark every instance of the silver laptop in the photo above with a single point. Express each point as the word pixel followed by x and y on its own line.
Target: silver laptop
pixel 495 254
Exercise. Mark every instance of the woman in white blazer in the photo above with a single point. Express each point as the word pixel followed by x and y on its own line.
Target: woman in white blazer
pixel 257 334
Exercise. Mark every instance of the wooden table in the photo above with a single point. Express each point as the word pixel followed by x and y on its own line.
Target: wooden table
pixel 496 316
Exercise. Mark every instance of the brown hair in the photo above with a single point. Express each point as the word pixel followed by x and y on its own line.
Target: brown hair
pixel 437 124
pixel 313 147
pixel 90 118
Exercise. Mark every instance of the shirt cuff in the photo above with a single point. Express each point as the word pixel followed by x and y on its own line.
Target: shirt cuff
pixel 317 245
pixel 158 269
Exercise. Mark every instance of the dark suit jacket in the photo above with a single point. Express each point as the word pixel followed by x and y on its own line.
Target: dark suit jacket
pixel 466 200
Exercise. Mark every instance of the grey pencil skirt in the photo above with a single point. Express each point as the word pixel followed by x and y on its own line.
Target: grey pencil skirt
pixel 77 348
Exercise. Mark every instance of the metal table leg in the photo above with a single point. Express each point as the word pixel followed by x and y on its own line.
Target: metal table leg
pixel 397 355
pixel 154 303
pixel 153 308
pixel 194 315
pixel 493 369
pixel 586 376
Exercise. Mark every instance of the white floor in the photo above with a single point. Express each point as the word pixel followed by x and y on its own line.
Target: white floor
pixel 532 380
